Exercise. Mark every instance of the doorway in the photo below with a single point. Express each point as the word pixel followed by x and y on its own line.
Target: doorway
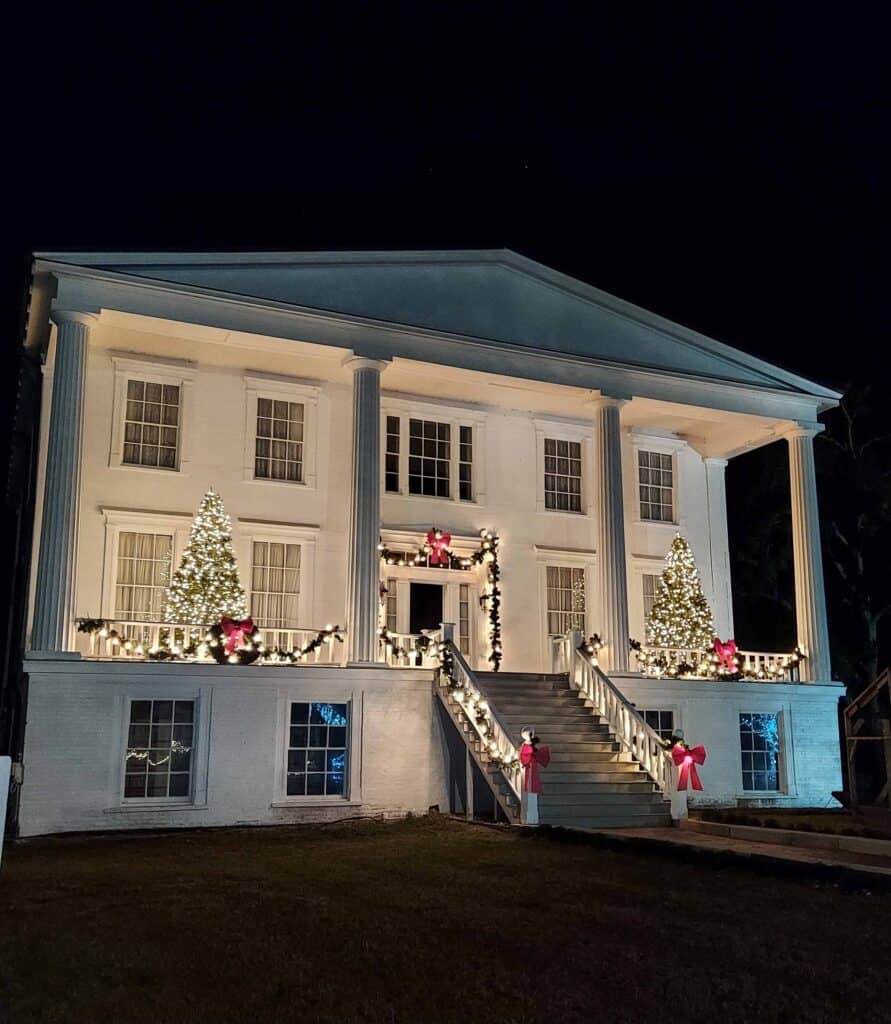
pixel 425 607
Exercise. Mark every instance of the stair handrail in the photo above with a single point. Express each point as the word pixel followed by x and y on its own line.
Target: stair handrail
pixel 497 743
pixel 625 721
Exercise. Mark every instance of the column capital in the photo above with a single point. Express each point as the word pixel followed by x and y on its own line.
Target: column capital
pixel 602 401
pixel 73 316
pixel 356 362
pixel 795 430
pixel 714 460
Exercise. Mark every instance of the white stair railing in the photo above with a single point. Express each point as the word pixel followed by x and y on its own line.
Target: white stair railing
pixel 624 720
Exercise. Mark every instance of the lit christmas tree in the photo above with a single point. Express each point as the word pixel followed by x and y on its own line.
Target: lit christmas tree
pixel 206 587
pixel 681 617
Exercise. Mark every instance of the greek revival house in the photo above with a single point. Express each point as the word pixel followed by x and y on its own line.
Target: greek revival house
pixel 453 479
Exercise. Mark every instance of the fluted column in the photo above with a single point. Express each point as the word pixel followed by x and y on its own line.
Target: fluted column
pixel 810 598
pixel 363 579
pixel 54 596
pixel 612 577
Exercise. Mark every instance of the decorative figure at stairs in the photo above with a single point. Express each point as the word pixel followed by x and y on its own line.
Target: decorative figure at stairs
pixel 686 759
pixel 532 756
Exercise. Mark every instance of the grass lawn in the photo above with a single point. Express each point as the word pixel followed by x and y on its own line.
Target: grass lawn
pixel 423 920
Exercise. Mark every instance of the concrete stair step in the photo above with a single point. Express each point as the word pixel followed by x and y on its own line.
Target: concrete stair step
pixel 561 758
pixel 604 771
pixel 555 799
pixel 637 786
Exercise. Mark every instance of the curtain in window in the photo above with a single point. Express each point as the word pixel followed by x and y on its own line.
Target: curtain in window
pixel 143 575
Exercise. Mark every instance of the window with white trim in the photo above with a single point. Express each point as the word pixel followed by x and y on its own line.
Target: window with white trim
pixel 142 575
pixel 279 440
pixel 660 721
pixel 318 745
pixel 562 475
pixel 275 587
pixel 656 481
pixel 391 467
pixel 650 589
pixel 565 598
pixel 151 424
pixel 759 742
pixel 390 607
pixel 429 457
pixel 464 619
pixel 160 742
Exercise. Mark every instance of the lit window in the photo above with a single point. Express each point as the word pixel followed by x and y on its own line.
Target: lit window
pixel 391 469
pixel 565 599
pixel 429 457
pixel 661 722
pixel 317 749
pixel 143 576
pixel 279 442
pixel 656 479
pixel 391 598
pixel 158 762
pixel 151 424
pixel 563 475
pixel 759 741
pixel 650 589
pixel 275 588
pixel 464 619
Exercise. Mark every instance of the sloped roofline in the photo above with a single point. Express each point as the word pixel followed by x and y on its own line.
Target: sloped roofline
pixel 502 257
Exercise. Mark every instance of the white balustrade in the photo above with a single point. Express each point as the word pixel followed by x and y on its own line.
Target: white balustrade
pixel 754 665
pixel 411 650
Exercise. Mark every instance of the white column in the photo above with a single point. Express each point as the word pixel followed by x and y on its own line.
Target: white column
pixel 719 545
pixel 810 599
pixel 54 595
pixel 612 575
pixel 363 580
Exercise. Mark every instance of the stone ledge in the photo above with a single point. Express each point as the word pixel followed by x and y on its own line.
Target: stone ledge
pixel 790 837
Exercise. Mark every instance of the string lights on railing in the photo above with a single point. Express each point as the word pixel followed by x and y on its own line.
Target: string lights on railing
pixel 671 663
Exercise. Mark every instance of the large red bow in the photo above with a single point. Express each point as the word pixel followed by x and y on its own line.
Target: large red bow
pixel 726 653
pixel 439 542
pixel 686 758
pixel 236 632
pixel 531 758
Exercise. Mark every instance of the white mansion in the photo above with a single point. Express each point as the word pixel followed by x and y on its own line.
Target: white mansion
pixel 344 405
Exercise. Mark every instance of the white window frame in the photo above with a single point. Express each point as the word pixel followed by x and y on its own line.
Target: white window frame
pixel 559 430
pixel 662 445
pixel 574 559
pixel 250 530
pixel 288 389
pixel 152 371
pixel 335 692
pixel 456 417
pixel 786 773
pixel 118 521
pixel 202 697
pixel 638 567
pixel 662 706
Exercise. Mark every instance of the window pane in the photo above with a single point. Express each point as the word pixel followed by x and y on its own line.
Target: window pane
pixel 320 768
pixel 278 423
pixel 275 584
pixel 159 754
pixel 148 405
pixel 759 741
pixel 563 475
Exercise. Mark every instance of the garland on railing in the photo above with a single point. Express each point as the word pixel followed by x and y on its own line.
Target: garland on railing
pixel 434 551
pixel 215 643
pixel 659 663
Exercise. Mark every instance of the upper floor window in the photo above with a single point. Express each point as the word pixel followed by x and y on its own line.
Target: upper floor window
pixel 656 480
pixel 562 475
pixel 430 458
pixel 650 587
pixel 275 587
pixel 158 762
pixel 279 440
pixel 142 575
pixel 151 424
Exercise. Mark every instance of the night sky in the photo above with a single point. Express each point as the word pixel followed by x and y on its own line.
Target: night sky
pixel 726 169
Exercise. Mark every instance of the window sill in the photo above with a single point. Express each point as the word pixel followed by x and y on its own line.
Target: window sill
pixel 153 808
pixel 671 525
pixel 306 484
pixel 155 470
pixel 315 801
pixel 542 511
pixel 473 503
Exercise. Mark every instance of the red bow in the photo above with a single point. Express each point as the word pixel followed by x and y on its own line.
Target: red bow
pixel 531 758
pixel 439 543
pixel 726 653
pixel 236 632
pixel 686 758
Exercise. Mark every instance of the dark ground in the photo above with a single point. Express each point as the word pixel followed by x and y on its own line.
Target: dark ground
pixel 425 920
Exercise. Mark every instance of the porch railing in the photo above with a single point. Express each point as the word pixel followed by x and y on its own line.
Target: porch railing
pixel 757 666
pixel 624 720
pixel 120 639
pixel 412 650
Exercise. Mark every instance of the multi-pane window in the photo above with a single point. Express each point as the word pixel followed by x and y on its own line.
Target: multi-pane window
pixel 279 442
pixel 661 722
pixel 391 456
pixel 565 599
pixel 429 458
pixel 317 749
pixel 160 740
pixel 151 424
pixel 656 479
pixel 275 587
pixel 390 605
pixel 464 618
pixel 143 576
pixel 759 741
pixel 650 589
pixel 563 475
pixel 465 463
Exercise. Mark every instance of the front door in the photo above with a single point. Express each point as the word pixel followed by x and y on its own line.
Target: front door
pixel 425 607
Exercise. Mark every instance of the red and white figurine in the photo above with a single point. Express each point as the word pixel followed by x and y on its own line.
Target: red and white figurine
pixel 532 757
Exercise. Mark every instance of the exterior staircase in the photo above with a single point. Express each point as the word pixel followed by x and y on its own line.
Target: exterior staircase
pixel 591 781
